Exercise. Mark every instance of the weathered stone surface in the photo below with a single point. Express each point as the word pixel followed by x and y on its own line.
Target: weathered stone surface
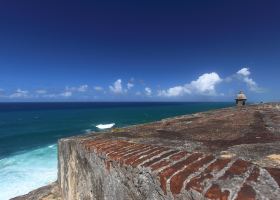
pixel 225 154
pixel 49 192
pixel 158 173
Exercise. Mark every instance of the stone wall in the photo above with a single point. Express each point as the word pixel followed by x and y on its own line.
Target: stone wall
pixel 119 169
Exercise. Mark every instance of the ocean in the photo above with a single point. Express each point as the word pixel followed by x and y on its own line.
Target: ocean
pixel 29 132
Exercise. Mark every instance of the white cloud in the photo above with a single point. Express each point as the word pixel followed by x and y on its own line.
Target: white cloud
pixel 138 93
pixel 130 85
pixel 19 94
pixel 251 83
pixel 81 88
pixel 205 85
pixel 98 88
pixel 66 94
pixel 41 91
pixel 174 91
pixel 243 74
pixel 148 91
pixel 116 87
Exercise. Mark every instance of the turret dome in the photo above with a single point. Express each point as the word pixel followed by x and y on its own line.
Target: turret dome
pixel 241 96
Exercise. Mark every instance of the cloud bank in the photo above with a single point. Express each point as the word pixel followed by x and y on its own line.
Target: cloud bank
pixel 203 85
pixel 66 94
pixel 81 88
pixel 19 94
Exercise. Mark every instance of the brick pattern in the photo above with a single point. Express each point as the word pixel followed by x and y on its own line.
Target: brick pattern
pixel 180 171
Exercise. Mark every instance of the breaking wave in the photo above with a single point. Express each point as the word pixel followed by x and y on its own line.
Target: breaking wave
pixel 105 126
pixel 27 171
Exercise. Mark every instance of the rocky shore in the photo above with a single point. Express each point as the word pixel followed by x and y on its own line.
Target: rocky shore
pixel 231 153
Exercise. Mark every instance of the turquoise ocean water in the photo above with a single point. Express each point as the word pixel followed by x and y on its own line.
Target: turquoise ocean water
pixel 29 132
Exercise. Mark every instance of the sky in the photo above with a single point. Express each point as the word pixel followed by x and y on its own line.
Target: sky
pixel 114 50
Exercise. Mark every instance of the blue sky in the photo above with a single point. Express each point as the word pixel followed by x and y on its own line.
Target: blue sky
pixel 139 50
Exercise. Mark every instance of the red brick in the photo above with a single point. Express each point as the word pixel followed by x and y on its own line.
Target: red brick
pixel 98 147
pixel 151 162
pixel 143 159
pixel 160 164
pixel 254 175
pixel 94 147
pixel 179 155
pixel 117 147
pixel 134 155
pixel 127 154
pixel 246 193
pixel 131 159
pixel 124 151
pixel 95 143
pixel 112 149
pixel 275 173
pixel 89 144
pixel 127 148
pixel 168 172
pixel 196 183
pixel 133 148
pixel 215 192
pixel 177 181
pixel 92 142
pixel 238 167
pixel 218 165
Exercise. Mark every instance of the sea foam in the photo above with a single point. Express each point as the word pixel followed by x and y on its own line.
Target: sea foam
pixel 27 171
pixel 105 126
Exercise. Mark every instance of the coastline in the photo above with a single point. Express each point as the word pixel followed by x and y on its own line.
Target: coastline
pixel 228 144
pixel 28 133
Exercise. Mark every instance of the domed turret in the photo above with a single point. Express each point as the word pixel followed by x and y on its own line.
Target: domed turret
pixel 240 99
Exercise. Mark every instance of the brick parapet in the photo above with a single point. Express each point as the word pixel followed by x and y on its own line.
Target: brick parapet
pixel 180 173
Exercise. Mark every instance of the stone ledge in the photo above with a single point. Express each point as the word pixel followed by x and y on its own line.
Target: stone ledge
pixel 180 173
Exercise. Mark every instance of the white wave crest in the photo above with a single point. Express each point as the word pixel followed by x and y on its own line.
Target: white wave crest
pixel 27 171
pixel 105 126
